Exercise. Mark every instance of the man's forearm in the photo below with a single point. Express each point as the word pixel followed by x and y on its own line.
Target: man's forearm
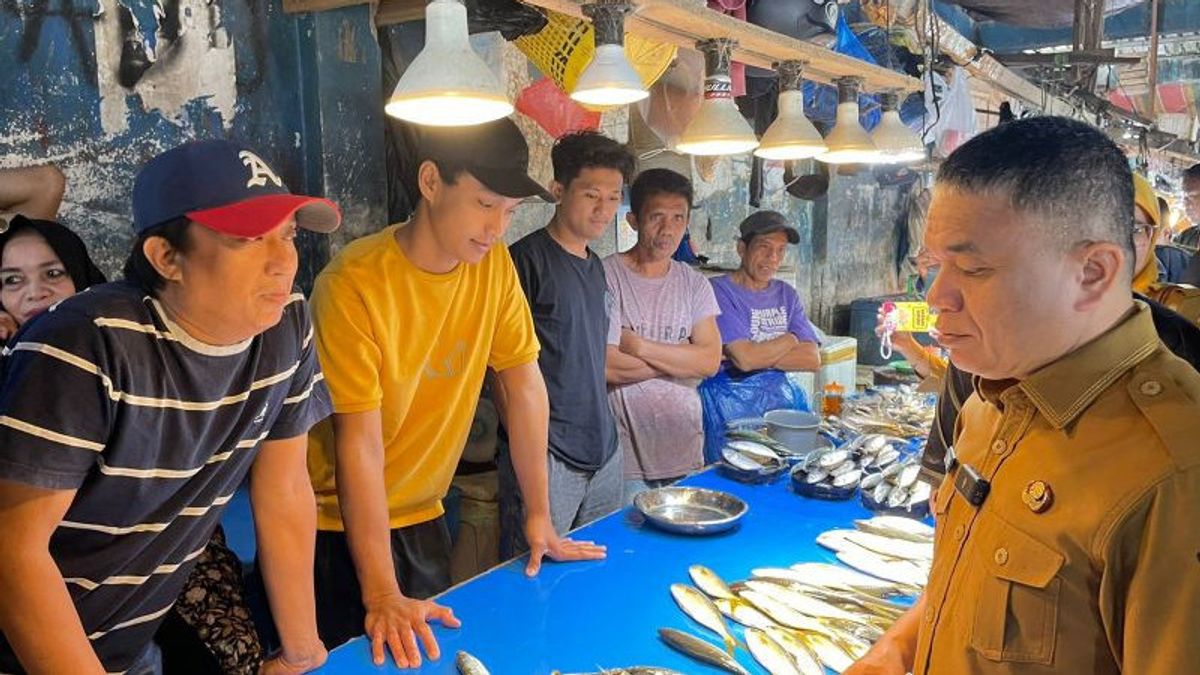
pixel 37 616
pixel 528 430
pixel 286 524
pixel 684 360
pixel 803 356
pixel 750 356
pixel 362 496
pixel 621 368
pixel 903 634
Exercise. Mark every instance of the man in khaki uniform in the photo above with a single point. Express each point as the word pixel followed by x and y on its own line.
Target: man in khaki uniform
pixel 1066 531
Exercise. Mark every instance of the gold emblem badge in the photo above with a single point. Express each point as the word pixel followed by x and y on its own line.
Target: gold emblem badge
pixel 1038 496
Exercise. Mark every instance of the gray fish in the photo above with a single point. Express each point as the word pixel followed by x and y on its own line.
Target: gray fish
pixel 700 650
pixel 886 457
pixel 898 498
pixel 870 480
pixel 881 493
pixel 630 670
pixel 833 458
pixel 469 665
pixel 890 473
pixel 816 476
pixel 908 475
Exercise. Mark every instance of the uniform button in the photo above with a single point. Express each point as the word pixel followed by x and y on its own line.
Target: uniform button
pixel 1151 388
pixel 1001 556
pixel 999 447
pixel 959 532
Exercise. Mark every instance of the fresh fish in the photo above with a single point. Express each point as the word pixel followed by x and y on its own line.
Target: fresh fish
pixel 881 492
pixel 784 615
pixel 631 670
pixel 802 655
pixel 800 602
pixel 743 612
pixel 740 460
pixel 898 497
pixel 890 473
pixel 770 654
pixel 844 467
pixel 896 527
pixel 875 444
pixel 847 479
pixel 886 457
pixel 831 655
pixel 708 581
pixel 833 458
pixel 899 571
pixel 759 438
pixel 469 665
pixel 700 650
pixel 920 493
pixel 870 480
pixel 697 605
pixel 761 453
pixel 816 475
pixel 908 475
pixel 836 575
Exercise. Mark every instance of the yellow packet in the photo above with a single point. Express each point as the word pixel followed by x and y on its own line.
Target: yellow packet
pixel 912 317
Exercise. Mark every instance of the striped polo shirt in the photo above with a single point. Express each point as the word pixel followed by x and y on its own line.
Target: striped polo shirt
pixel 155 430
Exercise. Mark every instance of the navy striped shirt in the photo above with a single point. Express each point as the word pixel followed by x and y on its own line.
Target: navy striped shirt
pixel 155 430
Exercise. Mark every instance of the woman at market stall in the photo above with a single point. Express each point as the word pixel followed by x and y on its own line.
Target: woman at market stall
pixel 41 263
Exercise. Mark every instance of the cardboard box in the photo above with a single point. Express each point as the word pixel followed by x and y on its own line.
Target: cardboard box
pixel 839 363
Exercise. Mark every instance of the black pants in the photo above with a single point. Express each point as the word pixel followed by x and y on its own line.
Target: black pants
pixel 420 556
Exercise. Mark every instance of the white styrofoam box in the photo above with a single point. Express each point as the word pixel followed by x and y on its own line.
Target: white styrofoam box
pixel 839 363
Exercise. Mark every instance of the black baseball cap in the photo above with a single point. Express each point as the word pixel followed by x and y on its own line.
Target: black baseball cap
pixel 766 222
pixel 495 153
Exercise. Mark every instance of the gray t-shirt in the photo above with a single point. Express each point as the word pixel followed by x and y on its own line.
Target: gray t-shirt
pixel 659 421
pixel 567 296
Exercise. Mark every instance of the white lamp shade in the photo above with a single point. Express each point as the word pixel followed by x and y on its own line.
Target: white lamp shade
pixel 896 142
pixel 448 84
pixel 609 80
pixel 849 142
pixel 791 135
pixel 718 127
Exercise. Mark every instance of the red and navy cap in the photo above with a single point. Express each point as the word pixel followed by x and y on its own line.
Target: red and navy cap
pixel 223 186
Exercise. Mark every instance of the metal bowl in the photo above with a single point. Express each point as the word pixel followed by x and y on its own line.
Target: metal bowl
pixel 689 510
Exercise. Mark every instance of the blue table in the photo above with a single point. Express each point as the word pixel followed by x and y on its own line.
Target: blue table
pixel 579 617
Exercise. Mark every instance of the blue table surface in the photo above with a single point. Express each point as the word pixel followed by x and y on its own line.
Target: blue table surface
pixel 581 617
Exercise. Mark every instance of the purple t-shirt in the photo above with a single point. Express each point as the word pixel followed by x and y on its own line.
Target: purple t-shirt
pixel 759 316
pixel 659 421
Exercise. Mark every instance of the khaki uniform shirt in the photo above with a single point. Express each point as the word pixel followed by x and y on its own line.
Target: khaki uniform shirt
pixel 1085 555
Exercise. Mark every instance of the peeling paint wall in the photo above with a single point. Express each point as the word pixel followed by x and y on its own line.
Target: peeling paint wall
pixel 98 87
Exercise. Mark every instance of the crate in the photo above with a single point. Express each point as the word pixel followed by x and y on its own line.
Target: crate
pixel 839 363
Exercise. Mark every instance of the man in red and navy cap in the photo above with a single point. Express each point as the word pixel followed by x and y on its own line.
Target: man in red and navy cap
pixel 130 413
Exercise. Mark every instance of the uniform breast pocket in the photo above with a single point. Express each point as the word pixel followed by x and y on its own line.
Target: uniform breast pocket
pixel 1016 616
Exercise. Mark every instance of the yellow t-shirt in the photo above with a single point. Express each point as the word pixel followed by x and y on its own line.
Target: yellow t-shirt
pixel 414 345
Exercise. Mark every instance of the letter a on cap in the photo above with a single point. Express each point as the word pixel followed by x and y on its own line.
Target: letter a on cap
pixel 260 173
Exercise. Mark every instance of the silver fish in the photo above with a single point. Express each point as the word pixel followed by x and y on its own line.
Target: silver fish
pixel 697 605
pixel 870 480
pixel 630 670
pixel 833 458
pixel 740 460
pixel 816 475
pixel 469 665
pixel 743 612
pixel 769 653
pixel 897 527
pixel 757 451
pixel 829 652
pixel 899 497
pixel 802 655
pixel 886 457
pixel 881 492
pixel 847 479
pixel 708 581
pixel 848 465
pixel 700 650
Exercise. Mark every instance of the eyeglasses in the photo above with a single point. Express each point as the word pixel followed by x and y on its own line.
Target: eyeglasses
pixel 1144 229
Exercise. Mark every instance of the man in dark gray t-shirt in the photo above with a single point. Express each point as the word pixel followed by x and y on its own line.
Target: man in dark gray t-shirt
pixel 564 283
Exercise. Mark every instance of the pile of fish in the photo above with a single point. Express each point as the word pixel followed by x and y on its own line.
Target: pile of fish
pixel 802 619
pixel 756 453
pixel 470 665
pixel 860 459
pixel 897 411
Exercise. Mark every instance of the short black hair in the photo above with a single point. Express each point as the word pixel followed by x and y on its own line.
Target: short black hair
pixel 1192 173
pixel 588 150
pixel 138 269
pixel 1067 173
pixel 658 181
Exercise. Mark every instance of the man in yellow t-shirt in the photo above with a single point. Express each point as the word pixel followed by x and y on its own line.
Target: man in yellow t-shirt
pixel 407 322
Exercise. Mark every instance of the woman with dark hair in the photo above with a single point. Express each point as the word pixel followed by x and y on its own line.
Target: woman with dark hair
pixel 41 263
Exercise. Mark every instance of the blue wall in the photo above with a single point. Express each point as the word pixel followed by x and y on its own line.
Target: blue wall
pixel 303 90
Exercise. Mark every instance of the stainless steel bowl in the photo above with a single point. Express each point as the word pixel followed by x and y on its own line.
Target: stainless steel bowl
pixel 689 510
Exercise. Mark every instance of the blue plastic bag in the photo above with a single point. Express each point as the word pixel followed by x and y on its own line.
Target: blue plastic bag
pixel 820 100
pixel 731 395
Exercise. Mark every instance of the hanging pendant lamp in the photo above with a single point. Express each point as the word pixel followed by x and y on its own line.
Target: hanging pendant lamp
pixel 718 127
pixel 791 135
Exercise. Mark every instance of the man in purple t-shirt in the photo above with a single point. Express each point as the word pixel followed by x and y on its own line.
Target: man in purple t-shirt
pixel 662 338
pixel 762 322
